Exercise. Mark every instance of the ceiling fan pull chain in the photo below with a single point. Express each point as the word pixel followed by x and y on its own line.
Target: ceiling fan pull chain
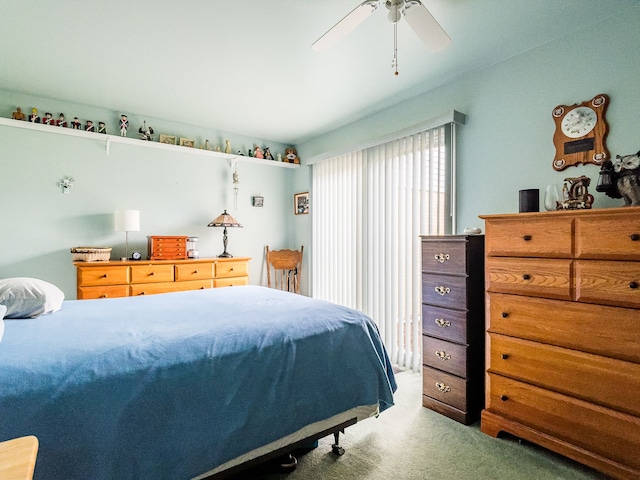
pixel 394 64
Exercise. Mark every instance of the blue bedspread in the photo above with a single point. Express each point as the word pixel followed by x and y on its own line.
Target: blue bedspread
pixel 170 386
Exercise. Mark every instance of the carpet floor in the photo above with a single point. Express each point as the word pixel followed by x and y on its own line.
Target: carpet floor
pixel 410 442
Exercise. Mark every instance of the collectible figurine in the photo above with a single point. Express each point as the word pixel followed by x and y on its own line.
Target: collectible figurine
pixel 227 148
pixel 124 124
pixel 145 132
pixel 75 124
pixel 102 128
pixel 61 121
pixel 258 153
pixel 575 194
pixel 267 153
pixel 207 145
pixel 34 118
pixel 18 114
pixel 621 179
pixel 48 119
pixel 291 155
pixel 89 127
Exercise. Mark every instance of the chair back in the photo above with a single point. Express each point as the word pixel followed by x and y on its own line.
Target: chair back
pixel 284 268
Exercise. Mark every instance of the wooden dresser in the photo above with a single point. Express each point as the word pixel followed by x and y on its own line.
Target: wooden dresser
pixel 563 341
pixel 146 277
pixel 453 325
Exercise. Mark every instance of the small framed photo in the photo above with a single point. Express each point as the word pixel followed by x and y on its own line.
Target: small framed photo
pixel 257 201
pixel 301 203
pixel 168 139
pixel 187 142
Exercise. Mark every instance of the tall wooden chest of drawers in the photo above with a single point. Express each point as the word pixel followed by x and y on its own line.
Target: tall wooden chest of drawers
pixel 563 334
pixel 453 325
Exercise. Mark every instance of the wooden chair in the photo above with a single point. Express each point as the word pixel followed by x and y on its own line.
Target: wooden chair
pixel 18 458
pixel 284 268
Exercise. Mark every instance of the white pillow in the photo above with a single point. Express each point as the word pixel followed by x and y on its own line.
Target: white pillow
pixel 29 297
pixel 3 310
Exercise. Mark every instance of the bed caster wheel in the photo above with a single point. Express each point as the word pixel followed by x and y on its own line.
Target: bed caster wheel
pixel 288 463
pixel 337 449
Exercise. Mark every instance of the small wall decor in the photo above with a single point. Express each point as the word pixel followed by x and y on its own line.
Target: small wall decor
pixel 621 179
pixel 301 203
pixel 257 201
pixel 167 139
pixel 66 183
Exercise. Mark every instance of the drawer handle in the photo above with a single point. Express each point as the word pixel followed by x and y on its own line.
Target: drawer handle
pixel 526 276
pixel 443 388
pixel 635 237
pixel 442 355
pixel 504 398
pixel 104 295
pixel 152 274
pixel 504 356
pixel 633 285
pixel 442 323
pixel 526 238
pixel 195 271
pixel 441 257
pixel 142 293
pixel 504 314
pixel 104 276
pixel 442 290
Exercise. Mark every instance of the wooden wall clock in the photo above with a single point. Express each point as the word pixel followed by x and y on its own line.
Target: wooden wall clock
pixel 581 133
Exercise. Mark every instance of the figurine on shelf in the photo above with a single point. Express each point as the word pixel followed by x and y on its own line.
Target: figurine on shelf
pixel 258 153
pixel 621 179
pixel 102 128
pixel 217 148
pixel 61 121
pixel 75 124
pixel 227 146
pixel 575 194
pixel 207 145
pixel 18 114
pixel 145 132
pixel 267 153
pixel 89 127
pixel 34 118
pixel 250 153
pixel 124 125
pixel 291 155
pixel 279 157
pixel 48 119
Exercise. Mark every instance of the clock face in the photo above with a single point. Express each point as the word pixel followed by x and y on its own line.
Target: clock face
pixel 579 122
pixel 136 255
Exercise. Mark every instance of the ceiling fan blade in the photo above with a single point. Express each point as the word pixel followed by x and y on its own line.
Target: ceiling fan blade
pixel 426 26
pixel 346 25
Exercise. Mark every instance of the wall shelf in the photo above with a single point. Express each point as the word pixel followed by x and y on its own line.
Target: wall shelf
pixel 109 139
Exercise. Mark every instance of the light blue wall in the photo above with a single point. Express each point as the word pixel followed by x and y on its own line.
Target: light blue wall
pixel 507 142
pixel 176 193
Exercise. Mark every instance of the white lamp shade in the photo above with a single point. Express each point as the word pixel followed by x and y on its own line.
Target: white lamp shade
pixel 127 220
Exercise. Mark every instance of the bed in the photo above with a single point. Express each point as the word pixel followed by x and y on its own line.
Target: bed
pixel 186 385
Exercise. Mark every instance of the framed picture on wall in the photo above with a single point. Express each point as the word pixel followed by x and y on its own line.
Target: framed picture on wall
pixel 301 203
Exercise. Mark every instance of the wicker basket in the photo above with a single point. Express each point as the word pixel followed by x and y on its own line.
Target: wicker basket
pixel 91 254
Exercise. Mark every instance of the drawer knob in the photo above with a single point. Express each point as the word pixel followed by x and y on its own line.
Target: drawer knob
pixel 441 257
pixel 504 314
pixel 442 355
pixel 504 398
pixel 633 285
pixel 104 295
pixel 105 275
pixel 526 276
pixel 504 356
pixel 442 290
pixel 142 293
pixel 152 274
pixel 442 323
pixel 195 271
pixel 526 238
pixel 443 388
pixel 635 237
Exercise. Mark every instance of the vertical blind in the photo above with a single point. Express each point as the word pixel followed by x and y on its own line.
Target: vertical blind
pixel 369 209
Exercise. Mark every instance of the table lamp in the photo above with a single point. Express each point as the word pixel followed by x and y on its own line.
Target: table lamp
pixel 127 221
pixel 224 220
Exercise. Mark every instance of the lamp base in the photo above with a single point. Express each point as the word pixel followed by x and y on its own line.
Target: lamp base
pixel 225 255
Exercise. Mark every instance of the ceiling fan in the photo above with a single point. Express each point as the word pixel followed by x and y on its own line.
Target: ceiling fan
pixel 418 17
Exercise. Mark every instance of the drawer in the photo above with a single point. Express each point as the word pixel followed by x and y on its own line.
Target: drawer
pixel 151 273
pixel 446 356
pixel 444 323
pixel 444 291
pixel 151 288
pixel 445 388
pixel 107 291
pixel 530 237
pixel 610 331
pixel 608 282
pixel 88 276
pixel 444 257
pixel 539 277
pixel 230 282
pixel 230 269
pixel 605 381
pixel 194 271
pixel 597 429
pixel 608 237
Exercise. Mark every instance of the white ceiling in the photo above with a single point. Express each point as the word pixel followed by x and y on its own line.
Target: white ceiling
pixel 246 66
